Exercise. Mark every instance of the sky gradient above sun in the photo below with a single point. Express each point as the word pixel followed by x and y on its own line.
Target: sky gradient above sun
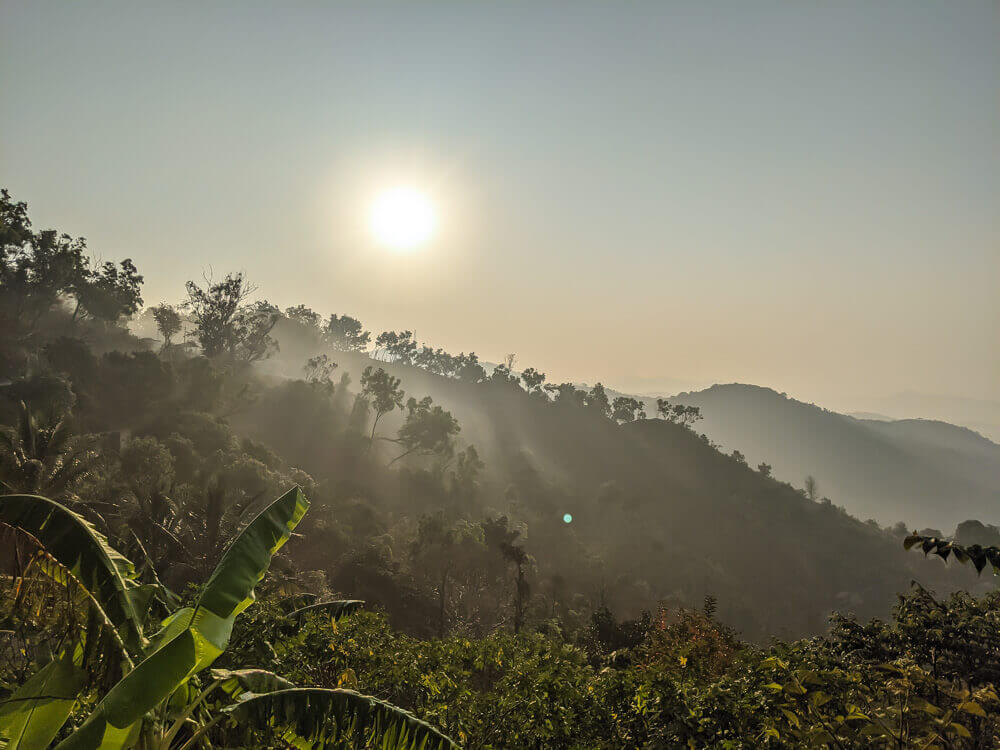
pixel 803 196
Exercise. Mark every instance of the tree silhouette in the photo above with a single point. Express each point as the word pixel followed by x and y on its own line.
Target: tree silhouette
pixel 108 292
pixel 254 323
pixel 678 413
pixel 597 401
pixel 626 409
pixel 303 315
pixel 40 269
pixel 428 429
pixel 533 380
pixel 215 309
pixel 318 372
pixel 225 324
pixel 396 347
pixel 383 394
pixel 168 323
pixel 812 491
pixel 345 334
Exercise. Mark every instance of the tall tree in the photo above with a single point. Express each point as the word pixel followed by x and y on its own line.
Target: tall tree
pixel 812 488
pixel 40 269
pixel 498 535
pixel 254 323
pixel 533 380
pixel 678 413
pixel 215 309
pixel 226 324
pixel 318 371
pixel 597 400
pixel 346 334
pixel 468 369
pixel 303 315
pixel 428 429
pixel 383 394
pixel 626 409
pixel 396 347
pixel 168 323
pixel 567 394
pixel 108 292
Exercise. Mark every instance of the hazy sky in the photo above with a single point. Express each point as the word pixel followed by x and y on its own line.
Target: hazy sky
pixel 799 195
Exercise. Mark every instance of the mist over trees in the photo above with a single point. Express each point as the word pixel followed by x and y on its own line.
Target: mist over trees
pixel 890 471
pixel 468 541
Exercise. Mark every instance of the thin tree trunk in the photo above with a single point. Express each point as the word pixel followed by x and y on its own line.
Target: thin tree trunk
pixel 442 597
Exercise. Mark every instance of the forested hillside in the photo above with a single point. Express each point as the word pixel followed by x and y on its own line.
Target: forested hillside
pixel 922 473
pixel 544 522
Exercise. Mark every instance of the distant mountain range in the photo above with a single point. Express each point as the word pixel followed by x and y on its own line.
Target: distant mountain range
pixel 980 415
pixel 925 472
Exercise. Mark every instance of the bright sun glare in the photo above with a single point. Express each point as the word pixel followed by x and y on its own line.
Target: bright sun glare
pixel 402 218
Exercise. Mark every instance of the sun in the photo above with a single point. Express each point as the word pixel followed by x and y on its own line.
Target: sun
pixel 402 218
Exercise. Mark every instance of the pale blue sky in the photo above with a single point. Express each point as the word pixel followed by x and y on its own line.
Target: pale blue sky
pixel 800 195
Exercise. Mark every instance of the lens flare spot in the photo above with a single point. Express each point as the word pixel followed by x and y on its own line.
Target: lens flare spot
pixel 567 518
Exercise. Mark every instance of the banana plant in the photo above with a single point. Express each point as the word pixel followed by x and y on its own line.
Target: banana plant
pixel 158 704
pixel 335 609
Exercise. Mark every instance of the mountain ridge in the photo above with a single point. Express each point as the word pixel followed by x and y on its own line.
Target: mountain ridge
pixel 924 472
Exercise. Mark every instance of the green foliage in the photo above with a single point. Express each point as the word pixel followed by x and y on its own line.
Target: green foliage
pixel 335 609
pixel 31 717
pixel 977 554
pixel 891 706
pixel 191 639
pixel 40 269
pixel 678 679
pixel 43 456
pixel 311 717
pixel 82 558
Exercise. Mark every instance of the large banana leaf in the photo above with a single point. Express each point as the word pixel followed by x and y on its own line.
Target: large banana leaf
pixel 238 682
pixel 335 609
pixel 296 601
pixel 80 550
pixel 194 637
pixel 31 717
pixel 235 682
pixel 318 718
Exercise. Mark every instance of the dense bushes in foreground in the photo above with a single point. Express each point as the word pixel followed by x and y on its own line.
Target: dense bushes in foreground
pixel 925 678
pixel 90 661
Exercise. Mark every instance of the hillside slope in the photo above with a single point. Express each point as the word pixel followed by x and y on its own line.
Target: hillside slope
pixel 659 514
pixel 922 472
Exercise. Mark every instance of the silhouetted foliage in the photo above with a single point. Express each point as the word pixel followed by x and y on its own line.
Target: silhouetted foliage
pixel 227 324
pixel 345 334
